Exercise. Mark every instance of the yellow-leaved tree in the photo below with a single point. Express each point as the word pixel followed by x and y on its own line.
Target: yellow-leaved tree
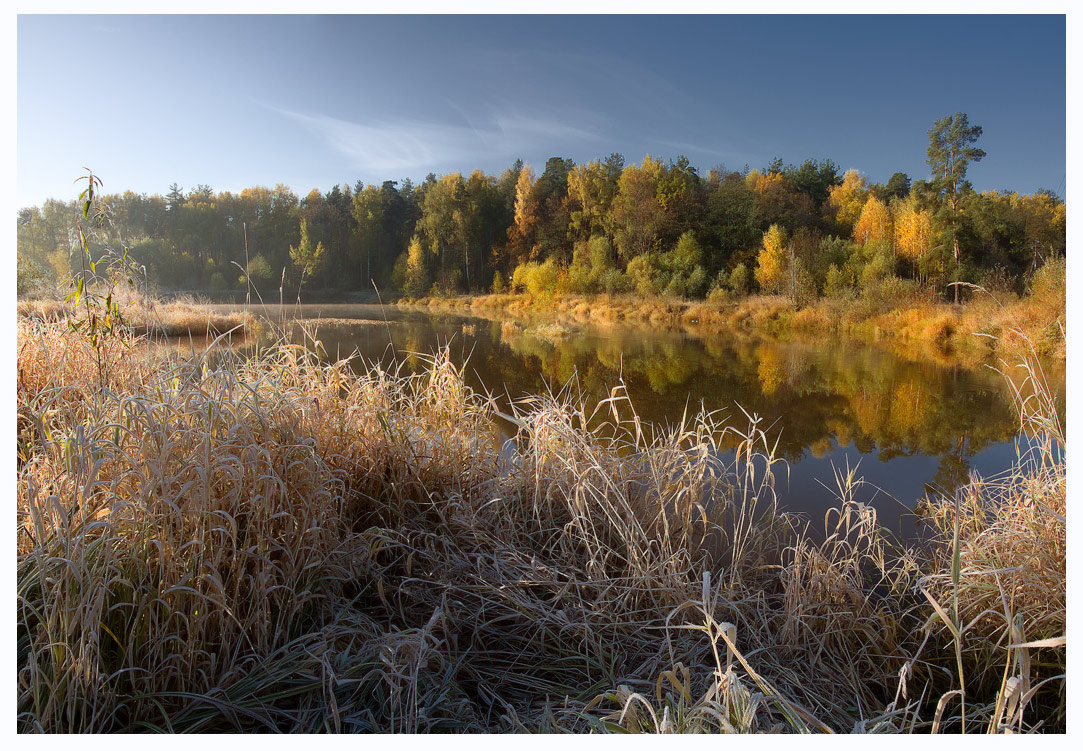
pixel 914 234
pixel 846 201
pixel 1043 218
pixel 591 191
pixel 766 184
pixel 521 234
pixel 772 260
pixel 873 226
pixel 523 188
pixel 637 214
pixel 417 276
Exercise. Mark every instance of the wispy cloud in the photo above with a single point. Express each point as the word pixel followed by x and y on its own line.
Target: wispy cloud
pixel 692 150
pixel 395 146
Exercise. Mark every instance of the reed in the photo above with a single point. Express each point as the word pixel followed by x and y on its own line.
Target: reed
pixel 288 544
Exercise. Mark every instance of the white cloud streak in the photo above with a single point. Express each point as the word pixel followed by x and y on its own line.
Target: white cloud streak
pixel 691 149
pixel 391 147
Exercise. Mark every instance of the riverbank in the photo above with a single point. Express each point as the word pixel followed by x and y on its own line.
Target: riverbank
pixel 283 544
pixel 1001 325
pixel 180 316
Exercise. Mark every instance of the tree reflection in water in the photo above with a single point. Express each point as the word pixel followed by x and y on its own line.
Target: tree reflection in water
pixel 914 424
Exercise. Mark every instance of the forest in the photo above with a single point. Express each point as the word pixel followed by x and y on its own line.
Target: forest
pixel 652 228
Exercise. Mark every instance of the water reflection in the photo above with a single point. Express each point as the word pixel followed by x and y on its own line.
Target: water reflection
pixel 912 425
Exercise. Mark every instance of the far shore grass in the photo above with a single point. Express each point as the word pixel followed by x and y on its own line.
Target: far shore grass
pixel 989 324
pixel 182 316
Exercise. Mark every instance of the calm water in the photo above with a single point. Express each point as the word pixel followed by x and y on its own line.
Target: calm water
pixel 909 424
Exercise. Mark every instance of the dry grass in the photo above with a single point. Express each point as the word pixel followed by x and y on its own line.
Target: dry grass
pixel 509 328
pixel 552 331
pixel 814 320
pixel 285 544
pixel 998 580
pixel 179 317
pixel 990 325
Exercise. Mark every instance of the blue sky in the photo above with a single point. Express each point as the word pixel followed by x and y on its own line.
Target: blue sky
pixel 236 101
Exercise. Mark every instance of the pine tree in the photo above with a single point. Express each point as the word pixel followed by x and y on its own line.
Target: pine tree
pixel 950 153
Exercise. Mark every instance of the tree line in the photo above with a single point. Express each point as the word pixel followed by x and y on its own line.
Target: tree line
pixel 652 228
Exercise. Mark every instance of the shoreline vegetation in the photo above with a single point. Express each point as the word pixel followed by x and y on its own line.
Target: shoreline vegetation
pixel 988 324
pixel 282 543
pixel 731 243
pixel 179 317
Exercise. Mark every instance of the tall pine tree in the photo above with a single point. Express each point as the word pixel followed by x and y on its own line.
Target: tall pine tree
pixel 950 153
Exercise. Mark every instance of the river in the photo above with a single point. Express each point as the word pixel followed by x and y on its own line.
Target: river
pixel 909 423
